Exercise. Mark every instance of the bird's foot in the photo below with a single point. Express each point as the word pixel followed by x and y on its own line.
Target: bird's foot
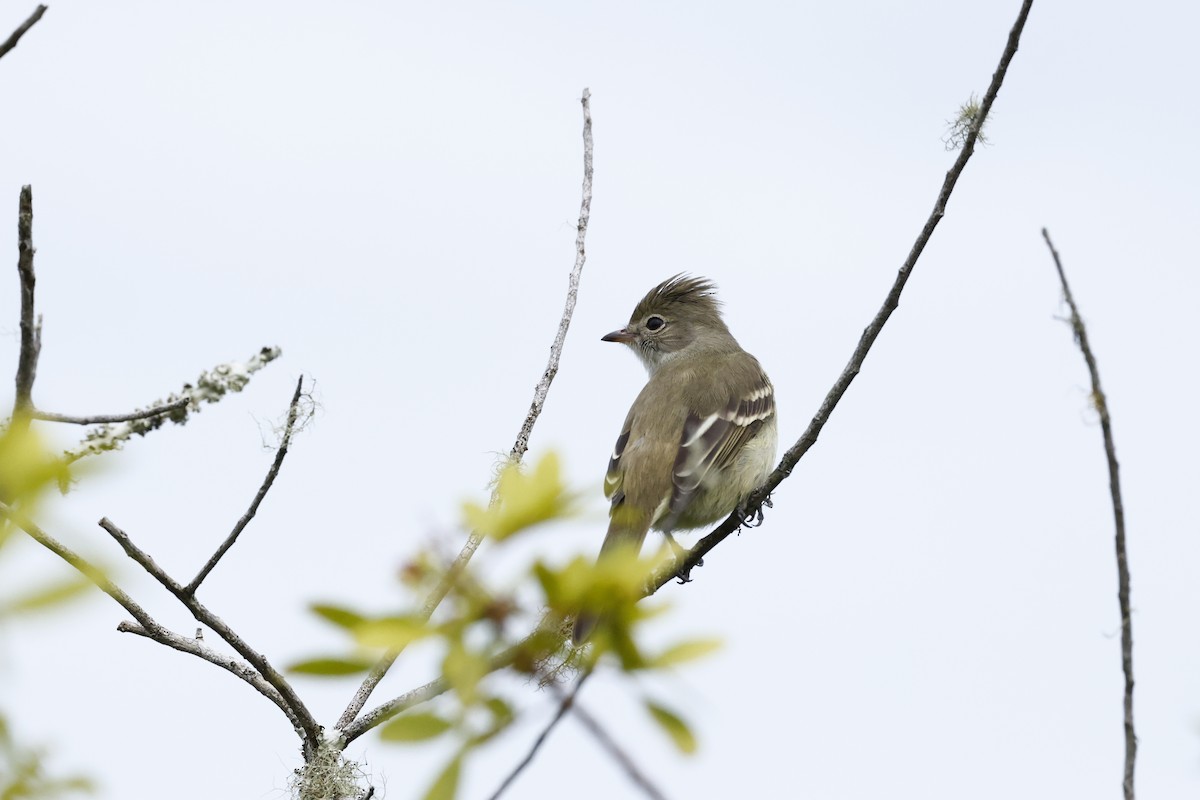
pixel 753 520
pixel 681 554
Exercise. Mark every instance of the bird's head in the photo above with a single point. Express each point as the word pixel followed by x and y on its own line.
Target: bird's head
pixel 678 315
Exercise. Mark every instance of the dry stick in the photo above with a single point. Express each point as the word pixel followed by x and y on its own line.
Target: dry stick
pixel 563 707
pixel 11 41
pixel 99 419
pixel 755 502
pixel 1114 485
pixel 146 625
pixel 293 411
pixel 31 330
pixel 308 724
pixel 522 443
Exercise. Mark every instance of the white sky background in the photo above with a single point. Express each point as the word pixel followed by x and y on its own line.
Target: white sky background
pixel 389 193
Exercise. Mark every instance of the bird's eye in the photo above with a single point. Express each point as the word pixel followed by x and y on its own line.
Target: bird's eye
pixel 655 323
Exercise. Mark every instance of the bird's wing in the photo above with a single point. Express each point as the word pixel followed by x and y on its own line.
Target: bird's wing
pixel 712 441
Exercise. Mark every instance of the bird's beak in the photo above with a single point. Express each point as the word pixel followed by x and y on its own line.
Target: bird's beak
pixel 623 336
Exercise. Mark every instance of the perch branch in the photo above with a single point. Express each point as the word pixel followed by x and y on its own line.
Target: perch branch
pixel 307 723
pixel 98 419
pixel 11 41
pixel 280 454
pixel 1114 484
pixel 146 624
pixel 522 442
pixel 755 502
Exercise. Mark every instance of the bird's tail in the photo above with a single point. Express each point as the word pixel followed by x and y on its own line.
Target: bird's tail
pixel 625 535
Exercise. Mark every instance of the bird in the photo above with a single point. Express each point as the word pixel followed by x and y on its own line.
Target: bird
pixel 701 435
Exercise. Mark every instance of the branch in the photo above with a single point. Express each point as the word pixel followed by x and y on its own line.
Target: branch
pixel 754 503
pixel 210 387
pixel 280 454
pixel 11 41
pixel 620 756
pixel 146 624
pixel 97 419
pixel 1114 484
pixel 31 330
pixel 308 724
pixel 563 707
pixel 522 443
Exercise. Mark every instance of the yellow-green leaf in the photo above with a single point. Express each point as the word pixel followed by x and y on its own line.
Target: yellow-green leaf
pixel 342 617
pixel 464 670
pixel 685 651
pixel 523 499
pixel 27 466
pixel 675 727
pixel 391 632
pixel 414 727
pixel 330 666
pixel 48 595
pixel 446 785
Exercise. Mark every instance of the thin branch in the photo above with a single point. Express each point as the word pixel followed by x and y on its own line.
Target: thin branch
pixel 540 392
pixel 280 454
pixel 236 666
pixel 98 419
pixel 563 707
pixel 146 624
pixel 619 755
pixel 210 387
pixel 1114 484
pixel 11 41
pixel 423 694
pixel 308 724
pixel 31 329
pixel 754 503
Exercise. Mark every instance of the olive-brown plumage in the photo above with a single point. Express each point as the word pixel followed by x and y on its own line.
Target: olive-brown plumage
pixel 700 436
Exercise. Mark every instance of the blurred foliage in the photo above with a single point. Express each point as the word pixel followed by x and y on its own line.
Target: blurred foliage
pixel 480 628
pixel 27 470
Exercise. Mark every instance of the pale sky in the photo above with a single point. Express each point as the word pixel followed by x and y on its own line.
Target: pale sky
pixel 389 193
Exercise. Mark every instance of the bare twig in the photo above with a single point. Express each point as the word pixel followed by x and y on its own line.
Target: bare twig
pixel 31 329
pixel 11 41
pixel 99 419
pixel 755 502
pixel 146 624
pixel 1114 484
pixel 307 723
pixel 464 556
pixel 280 454
pixel 564 706
pixel 618 754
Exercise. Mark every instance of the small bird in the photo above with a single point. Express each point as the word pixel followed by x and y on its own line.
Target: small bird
pixel 701 435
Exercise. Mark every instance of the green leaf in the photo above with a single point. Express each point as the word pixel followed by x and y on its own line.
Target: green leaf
pixel 502 716
pixel 48 595
pixel 685 651
pixel 415 727
pixel 446 785
pixel 675 727
pixel 342 617
pixel 330 666
pixel 464 670
pixel 523 499
pixel 391 632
